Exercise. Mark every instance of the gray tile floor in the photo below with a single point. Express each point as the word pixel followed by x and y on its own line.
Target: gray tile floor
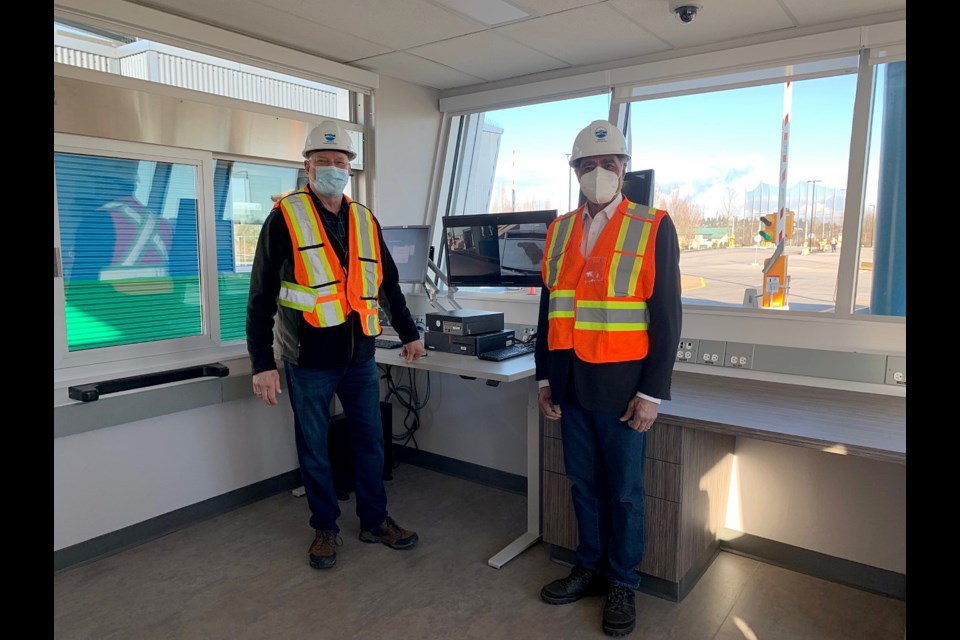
pixel 244 575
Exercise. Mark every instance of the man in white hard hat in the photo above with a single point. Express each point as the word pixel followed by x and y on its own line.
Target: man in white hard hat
pixel 321 267
pixel 607 337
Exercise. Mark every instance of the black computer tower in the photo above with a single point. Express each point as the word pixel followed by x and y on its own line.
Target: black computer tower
pixel 341 463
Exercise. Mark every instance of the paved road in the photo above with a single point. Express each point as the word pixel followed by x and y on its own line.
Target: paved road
pixel 720 276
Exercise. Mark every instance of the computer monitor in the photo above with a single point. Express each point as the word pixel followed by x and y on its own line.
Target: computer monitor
pixel 496 249
pixel 410 247
pixel 638 186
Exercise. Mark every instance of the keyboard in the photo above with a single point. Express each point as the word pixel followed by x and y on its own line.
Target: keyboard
pixel 505 353
pixel 387 343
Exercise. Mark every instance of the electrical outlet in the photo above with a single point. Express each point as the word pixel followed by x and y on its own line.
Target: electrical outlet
pixel 738 355
pixel 896 371
pixel 687 350
pixel 711 352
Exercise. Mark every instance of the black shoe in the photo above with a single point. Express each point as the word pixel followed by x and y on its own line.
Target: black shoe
pixel 323 551
pixel 578 584
pixel 619 611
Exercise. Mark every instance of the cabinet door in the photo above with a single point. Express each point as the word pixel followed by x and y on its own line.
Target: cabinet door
pixel 661 524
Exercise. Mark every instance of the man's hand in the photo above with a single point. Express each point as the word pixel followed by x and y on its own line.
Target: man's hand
pixel 266 386
pixel 549 410
pixel 640 414
pixel 413 351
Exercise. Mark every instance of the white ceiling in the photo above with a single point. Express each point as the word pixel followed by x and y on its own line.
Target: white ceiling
pixel 435 43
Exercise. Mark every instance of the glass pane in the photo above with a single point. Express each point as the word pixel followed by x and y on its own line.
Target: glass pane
pixel 128 233
pixel 716 158
pixel 244 193
pixel 519 160
pixel 882 274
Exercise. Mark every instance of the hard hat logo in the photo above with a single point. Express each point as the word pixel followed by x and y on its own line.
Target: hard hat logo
pixel 329 136
pixel 599 138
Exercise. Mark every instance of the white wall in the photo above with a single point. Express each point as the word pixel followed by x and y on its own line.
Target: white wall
pixel 842 506
pixel 406 133
pixel 111 478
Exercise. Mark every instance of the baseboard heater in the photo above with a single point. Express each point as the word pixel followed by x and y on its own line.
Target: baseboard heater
pixel 92 391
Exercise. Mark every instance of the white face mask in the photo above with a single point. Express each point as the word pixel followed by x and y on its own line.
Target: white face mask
pixel 600 186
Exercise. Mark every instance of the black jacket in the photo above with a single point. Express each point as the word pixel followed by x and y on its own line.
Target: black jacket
pixel 610 386
pixel 299 342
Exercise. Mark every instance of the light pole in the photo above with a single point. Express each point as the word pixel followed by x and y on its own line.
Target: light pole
pixel 813 214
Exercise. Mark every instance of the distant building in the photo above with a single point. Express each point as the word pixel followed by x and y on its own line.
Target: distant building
pixel 711 237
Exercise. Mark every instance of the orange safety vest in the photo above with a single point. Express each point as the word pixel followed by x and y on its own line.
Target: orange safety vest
pixel 323 291
pixel 598 303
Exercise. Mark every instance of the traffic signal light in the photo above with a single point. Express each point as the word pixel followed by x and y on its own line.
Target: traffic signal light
pixel 768 227
pixel 788 232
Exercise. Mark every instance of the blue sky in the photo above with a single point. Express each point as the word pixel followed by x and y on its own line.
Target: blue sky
pixel 699 144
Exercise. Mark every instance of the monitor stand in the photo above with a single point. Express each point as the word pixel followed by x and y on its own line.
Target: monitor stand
pixel 433 288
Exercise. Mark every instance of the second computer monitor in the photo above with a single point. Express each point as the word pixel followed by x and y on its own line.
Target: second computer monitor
pixel 410 247
pixel 496 249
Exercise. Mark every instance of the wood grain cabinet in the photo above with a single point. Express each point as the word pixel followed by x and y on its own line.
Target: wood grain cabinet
pixel 686 481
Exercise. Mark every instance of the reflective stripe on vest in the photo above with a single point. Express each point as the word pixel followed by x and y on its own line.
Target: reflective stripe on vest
pixel 561 303
pixel 364 288
pixel 556 248
pixel 611 315
pixel 631 244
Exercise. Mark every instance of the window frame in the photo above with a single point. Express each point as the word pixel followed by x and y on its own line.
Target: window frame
pixel 92 361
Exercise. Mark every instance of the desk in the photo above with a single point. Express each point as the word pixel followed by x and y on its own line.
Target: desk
pixel 511 370
pixel 688 467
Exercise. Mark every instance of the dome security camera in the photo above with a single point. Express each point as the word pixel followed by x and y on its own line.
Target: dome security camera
pixel 685 10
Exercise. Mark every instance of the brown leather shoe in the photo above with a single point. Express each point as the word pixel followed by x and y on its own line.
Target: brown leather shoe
pixel 323 551
pixel 392 535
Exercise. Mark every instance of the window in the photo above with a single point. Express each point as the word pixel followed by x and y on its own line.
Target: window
pixel 718 174
pixel 129 250
pixel 517 159
pixel 154 242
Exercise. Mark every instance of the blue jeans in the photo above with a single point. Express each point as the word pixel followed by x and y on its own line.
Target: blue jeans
pixel 358 389
pixel 604 460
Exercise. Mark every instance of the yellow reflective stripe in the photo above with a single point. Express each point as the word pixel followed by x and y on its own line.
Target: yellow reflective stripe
pixel 366 237
pixel 296 296
pixel 603 326
pixel 330 313
pixel 561 304
pixel 612 304
pixel 555 253
pixel 611 315
pixel 627 259
pixel 308 234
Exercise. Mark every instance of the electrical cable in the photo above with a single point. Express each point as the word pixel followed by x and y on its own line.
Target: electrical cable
pixel 408 397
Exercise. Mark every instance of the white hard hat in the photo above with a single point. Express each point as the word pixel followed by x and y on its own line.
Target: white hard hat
pixel 329 136
pixel 599 138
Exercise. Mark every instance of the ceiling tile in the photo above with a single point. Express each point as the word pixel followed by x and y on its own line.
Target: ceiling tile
pixel 411 68
pixel 396 24
pixel 546 7
pixel 585 36
pixel 715 22
pixel 488 55
pixel 278 21
pixel 809 12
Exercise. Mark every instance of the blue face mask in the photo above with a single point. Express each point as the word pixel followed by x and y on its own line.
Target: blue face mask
pixel 330 181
